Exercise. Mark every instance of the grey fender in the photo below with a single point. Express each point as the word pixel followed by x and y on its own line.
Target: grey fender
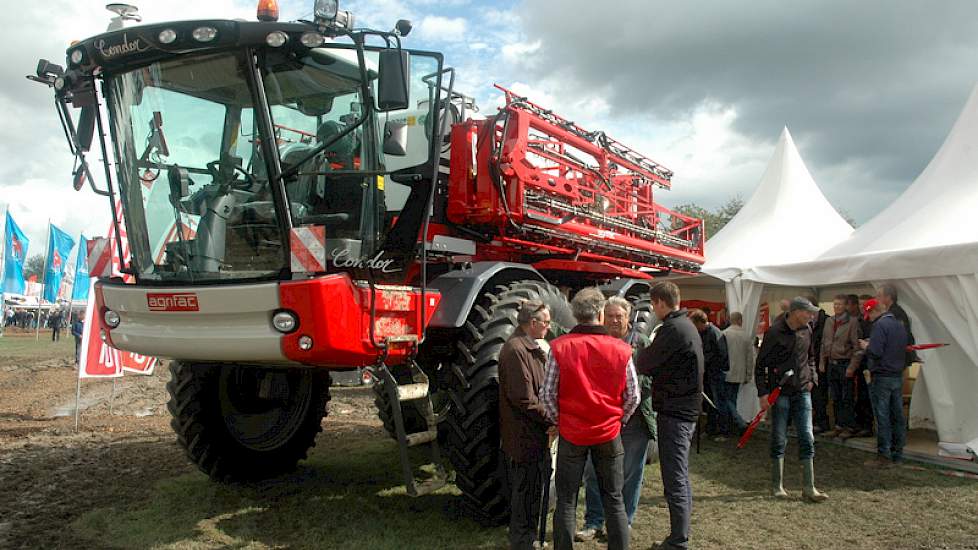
pixel 461 287
pixel 625 287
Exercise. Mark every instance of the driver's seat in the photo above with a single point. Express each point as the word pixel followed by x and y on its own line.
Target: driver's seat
pixel 340 153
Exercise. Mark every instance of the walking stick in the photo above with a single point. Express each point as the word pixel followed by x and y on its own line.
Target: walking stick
pixel 544 505
pixel 771 398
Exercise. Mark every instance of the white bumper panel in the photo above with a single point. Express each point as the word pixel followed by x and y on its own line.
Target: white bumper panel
pixel 232 323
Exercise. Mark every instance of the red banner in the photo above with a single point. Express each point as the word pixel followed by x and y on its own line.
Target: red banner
pixel 100 360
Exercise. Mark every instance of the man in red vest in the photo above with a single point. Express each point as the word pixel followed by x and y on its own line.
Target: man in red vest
pixel 590 390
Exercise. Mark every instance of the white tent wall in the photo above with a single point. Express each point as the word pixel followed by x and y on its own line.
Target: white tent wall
pixel 945 309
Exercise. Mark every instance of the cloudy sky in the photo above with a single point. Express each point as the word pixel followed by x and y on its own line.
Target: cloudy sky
pixel 868 89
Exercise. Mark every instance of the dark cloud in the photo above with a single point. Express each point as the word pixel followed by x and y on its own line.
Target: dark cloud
pixel 874 83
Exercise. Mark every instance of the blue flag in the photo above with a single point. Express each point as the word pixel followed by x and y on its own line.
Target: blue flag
pixel 80 289
pixel 59 248
pixel 15 256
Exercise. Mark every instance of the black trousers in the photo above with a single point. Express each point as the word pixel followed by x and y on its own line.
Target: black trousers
pixel 675 436
pixel 609 463
pixel 526 481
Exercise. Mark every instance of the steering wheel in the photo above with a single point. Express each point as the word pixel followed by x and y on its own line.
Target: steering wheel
pixel 214 167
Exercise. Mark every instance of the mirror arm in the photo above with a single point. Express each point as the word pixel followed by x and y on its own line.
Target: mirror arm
pixel 71 134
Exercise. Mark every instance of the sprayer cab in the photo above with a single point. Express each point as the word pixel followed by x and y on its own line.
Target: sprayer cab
pixel 229 134
pixel 234 142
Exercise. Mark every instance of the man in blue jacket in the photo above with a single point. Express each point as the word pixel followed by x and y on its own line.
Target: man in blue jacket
pixel 886 349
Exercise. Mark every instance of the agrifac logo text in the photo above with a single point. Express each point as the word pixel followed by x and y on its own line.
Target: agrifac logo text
pixel 172 301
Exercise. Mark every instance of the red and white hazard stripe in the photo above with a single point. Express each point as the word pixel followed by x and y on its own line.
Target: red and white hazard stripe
pixel 308 244
pixel 99 257
pixel 116 261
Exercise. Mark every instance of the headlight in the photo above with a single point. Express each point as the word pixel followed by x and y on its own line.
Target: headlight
pixel 111 318
pixel 77 56
pixel 204 34
pixel 312 39
pixel 167 36
pixel 305 343
pixel 285 321
pixel 276 39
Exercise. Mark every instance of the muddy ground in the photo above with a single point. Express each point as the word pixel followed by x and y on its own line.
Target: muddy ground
pixel 121 481
pixel 50 474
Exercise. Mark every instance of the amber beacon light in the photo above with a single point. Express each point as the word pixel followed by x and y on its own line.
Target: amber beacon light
pixel 268 10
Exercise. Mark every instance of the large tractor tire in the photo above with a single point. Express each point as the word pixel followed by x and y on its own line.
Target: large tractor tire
pixel 471 428
pixel 411 411
pixel 643 318
pixel 241 423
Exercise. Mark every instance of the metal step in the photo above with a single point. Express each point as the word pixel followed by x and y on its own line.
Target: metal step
pixel 398 394
pixel 410 392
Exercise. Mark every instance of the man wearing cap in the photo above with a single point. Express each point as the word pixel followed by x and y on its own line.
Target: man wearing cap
pixel 786 347
pixel 886 349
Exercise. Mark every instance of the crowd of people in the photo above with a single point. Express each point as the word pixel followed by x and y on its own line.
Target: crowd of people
pixel 55 319
pixel 603 391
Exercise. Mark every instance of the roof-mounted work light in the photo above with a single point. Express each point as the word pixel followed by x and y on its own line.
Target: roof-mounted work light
pixel 327 15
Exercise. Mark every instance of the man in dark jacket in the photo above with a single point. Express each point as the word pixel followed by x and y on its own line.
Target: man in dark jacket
pixel 716 363
pixel 886 349
pixel 674 361
pixel 863 407
pixel 77 329
pixel 887 295
pixel 786 347
pixel 820 393
pixel 522 424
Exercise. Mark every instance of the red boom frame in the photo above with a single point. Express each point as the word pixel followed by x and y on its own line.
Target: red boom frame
pixel 544 186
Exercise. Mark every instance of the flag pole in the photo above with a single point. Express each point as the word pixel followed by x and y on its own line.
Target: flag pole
pixel 44 273
pixel 3 272
pixel 77 397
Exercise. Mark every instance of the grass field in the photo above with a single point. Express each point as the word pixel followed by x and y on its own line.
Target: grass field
pixel 348 496
pixel 21 345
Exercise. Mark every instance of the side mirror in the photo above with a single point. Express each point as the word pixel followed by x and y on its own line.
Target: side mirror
pixel 86 128
pixel 395 138
pixel 394 71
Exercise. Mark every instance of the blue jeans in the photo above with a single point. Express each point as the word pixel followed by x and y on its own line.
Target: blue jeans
pixel 891 428
pixel 635 440
pixel 799 406
pixel 729 417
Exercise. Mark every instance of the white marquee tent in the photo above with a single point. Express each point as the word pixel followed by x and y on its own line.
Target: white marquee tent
pixel 787 219
pixel 926 243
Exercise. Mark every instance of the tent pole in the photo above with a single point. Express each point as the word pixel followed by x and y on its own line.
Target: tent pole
pixel 44 272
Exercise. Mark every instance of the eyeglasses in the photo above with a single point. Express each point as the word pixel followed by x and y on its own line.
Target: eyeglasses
pixel 547 322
